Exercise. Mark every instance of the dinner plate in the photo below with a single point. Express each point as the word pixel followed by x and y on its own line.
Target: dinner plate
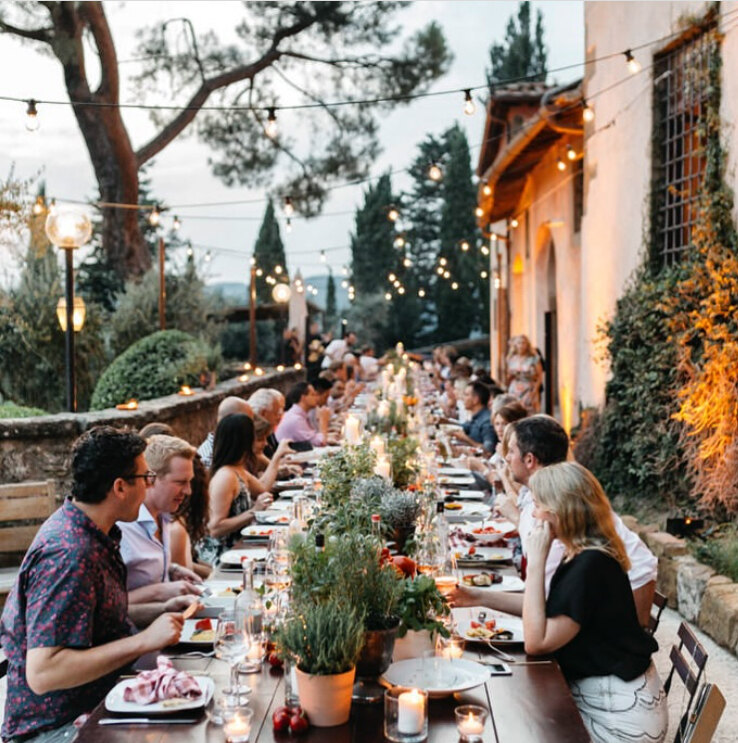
pixel 114 701
pixel 440 677
pixel 467 512
pixel 189 629
pixel 510 583
pixel 463 617
pixel 483 556
pixel 500 528
pixel 271 517
pixel 257 533
pixel 449 471
pixel 297 482
pixel 234 557
pixel 456 480
pixel 281 505
pixel 464 494
pixel 289 494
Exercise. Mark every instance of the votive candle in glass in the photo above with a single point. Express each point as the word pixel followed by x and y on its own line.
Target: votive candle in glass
pixel 237 723
pixel 470 720
pixel 405 715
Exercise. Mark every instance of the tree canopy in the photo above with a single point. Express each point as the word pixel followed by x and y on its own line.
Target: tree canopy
pixel 309 53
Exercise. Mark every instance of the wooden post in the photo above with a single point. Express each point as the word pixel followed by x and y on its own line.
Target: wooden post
pixel 252 318
pixel 162 288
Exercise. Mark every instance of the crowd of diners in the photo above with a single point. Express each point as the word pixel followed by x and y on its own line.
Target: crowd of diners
pixel 110 572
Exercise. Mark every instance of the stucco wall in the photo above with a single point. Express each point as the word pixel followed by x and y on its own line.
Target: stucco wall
pixel 39 448
pixel 618 155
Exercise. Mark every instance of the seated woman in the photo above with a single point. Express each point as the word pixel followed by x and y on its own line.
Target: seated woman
pixel 235 493
pixel 589 621
pixel 189 524
pixel 267 469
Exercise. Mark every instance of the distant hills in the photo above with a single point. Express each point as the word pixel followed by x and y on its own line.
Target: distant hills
pixel 236 293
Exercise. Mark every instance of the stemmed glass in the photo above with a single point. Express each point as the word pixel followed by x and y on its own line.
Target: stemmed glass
pixel 232 643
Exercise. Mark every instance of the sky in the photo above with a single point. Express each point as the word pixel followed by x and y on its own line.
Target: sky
pixel 181 175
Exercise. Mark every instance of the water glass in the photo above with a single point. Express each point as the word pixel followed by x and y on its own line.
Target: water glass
pixel 232 643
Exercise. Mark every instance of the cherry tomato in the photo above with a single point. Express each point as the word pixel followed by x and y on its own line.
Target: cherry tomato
pixel 203 624
pixel 281 718
pixel 491 624
pixel 405 565
pixel 475 625
pixel 298 722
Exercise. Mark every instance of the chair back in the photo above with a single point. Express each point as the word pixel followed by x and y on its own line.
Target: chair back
pixel 657 607
pixel 690 674
pixel 708 710
pixel 24 506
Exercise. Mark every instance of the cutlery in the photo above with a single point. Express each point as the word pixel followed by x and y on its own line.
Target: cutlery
pixel 195 654
pixel 507 658
pixel 145 720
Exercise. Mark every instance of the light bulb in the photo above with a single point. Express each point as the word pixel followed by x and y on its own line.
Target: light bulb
pixel 399 242
pixel 634 66
pixel 396 283
pixel 278 269
pixel 407 262
pixel 190 252
pixel 344 284
pixel 469 107
pixel 588 113
pixel 155 216
pixel 400 289
pixel 479 211
pixel 434 172
pixel 289 210
pixel 484 250
pixel 571 152
pixel 442 261
pixel 464 245
pixel 208 256
pixel 387 296
pixel 288 225
pixel 514 222
pixel 484 274
pixel 560 164
pixel 392 277
pixel 259 271
pixel 32 122
pixel 439 271
pixel 393 214
pixel 421 292
pixel 447 274
pixel 487 190
pixel 271 125
pixel 454 286
pixel 39 206
pixel 176 224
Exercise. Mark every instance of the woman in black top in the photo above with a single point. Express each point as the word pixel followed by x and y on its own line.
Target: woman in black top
pixel 589 621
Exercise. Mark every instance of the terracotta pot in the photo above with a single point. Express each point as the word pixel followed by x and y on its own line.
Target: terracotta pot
pixel 326 699
pixel 413 645
pixel 376 655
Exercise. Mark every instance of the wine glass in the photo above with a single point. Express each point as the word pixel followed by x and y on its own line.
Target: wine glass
pixel 232 643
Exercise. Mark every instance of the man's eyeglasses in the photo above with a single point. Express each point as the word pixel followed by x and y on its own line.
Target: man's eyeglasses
pixel 149 478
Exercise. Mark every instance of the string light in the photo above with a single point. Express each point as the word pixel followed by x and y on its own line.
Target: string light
pixel 155 216
pixel 399 242
pixel 587 111
pixel 288 226
pixel 323 257
pixel 421 293
pixel 446 274
pixel 484 250
pixel 176 224
pixel 442 261
pixel 434 172
pixel 252 261
pixel 439 271
pixel 278 269
pixel 396 283
pixel 454 286
pixel 387 296
pixel 634 66
pixel 400 289
pixel 469 107
pixel 484 274
pixel 289 210
pixel 344 284
pixel 260 272
pixel 479 211
pixel 393 213
pixel 487 190
pixel 190 251
pixel 464 245
pixel 560 164
pixel 271 125
pixel 392 277
pixel 407 262
pixel 494 237
pixel 514 222
pixel 32 122
pixel 39 206
pixel 571 152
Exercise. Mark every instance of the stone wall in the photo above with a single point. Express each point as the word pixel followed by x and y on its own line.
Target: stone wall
pixel 39 448
pixel 702 597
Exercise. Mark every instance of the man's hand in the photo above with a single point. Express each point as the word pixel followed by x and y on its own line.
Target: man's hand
pixel 163 631
pixel 179 603
pixel 179 572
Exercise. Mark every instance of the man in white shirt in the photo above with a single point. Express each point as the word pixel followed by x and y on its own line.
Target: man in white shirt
pixel 338 348
pixel 536 442
pixel 152 578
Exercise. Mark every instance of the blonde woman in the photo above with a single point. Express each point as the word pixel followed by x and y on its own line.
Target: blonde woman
pixel 525 373
pixel 589 620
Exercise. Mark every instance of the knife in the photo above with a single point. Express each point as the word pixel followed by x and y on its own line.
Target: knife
pixel 145 720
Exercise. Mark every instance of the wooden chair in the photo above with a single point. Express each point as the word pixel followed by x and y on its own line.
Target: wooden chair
pixel 657 607
pixel 708 710
pixel 24 506
pixel 690 678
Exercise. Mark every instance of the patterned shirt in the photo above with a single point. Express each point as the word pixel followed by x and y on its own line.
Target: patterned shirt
pixel 206 450
pixel 71 593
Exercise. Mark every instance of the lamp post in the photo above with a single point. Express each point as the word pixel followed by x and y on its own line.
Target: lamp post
pixel 69 229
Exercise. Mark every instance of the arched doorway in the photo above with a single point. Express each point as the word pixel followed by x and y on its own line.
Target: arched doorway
pixel 551 346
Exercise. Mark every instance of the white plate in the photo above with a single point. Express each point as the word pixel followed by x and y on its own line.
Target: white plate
pixel 438 676
pixel 271 517
pixel 454 471
pixel 257 533
pixel 465 494
pixel 297 482
pixel 510 583
pixel 467 512
pixel 233 557
pixel 114 701
pixel 503 527
pixel 456 480
pixel 189 629
pixel 288 494
pixel 486 555
pixel 463 618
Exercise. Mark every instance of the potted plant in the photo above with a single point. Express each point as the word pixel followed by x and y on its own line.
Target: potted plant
pixel 323 640
pixel 420 608
pixel 399 510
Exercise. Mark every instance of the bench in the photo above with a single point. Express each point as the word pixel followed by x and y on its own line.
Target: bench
pixel 24 506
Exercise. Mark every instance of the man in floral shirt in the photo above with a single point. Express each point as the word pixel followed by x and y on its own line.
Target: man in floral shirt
pixel 65 628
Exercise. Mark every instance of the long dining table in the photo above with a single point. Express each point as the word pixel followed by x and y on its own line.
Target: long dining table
pixel 532 705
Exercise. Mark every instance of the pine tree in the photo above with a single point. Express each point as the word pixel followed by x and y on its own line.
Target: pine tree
pixel 269 253
pixel 372 242
pixel 522 54
pixel 330 301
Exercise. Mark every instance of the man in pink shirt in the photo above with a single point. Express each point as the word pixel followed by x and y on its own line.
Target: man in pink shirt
pixel 295 424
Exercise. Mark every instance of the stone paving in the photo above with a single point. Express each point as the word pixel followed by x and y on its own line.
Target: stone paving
pixel 721 669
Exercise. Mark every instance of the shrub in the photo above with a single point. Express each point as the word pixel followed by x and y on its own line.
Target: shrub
pixel 156 365
pixel 9 409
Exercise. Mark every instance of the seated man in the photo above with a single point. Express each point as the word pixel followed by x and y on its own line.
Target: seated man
pixel 295 424
pixel 368 364
pixel 228 406
pixel 151 578
pixel 478 429
pixel 269 404
pixel 534 443
pixel 65 628
pixel 338 348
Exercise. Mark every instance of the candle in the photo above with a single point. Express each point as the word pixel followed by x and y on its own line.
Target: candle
pixel 410 712
pixel 382 468
pixel 383 409
pixel 470 719
pixel 399 349
pixel 185 390
pixel 351 430
pixel 377 446
pixel 470 725
pixel 237 727
pixel 130 405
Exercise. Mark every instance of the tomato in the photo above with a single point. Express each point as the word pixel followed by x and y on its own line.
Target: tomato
pixel 475 625
pixel 385 556
pixel 491 624
pixel 281 719
pixel 298 722
pixel 472 550
pixel 274 660
pixel 203 624
pixel 405 565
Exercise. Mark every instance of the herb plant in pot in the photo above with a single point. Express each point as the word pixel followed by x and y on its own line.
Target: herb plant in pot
pixel 323 640
pixel 399 510
pixel 421 608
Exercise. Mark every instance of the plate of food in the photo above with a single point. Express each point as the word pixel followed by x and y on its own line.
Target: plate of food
pixel 495 628
pixel 464 494
pixel 271 517
pixel 160 691
pixel 257 533
pixel 440 677
pixel 492 581
pixel 234 557
pixel 296 482
pixel 287 494
pixel 474 556
pixel 449 471
pixel 456 511
pixel 456 480
pixel 198 631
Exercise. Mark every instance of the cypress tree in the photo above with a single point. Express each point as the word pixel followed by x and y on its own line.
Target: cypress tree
pixel 330 301
pixel 269 253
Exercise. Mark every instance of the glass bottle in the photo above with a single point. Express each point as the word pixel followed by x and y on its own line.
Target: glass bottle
pixel 441 528
pixel 249 603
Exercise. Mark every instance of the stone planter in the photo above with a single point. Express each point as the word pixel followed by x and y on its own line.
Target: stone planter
pixel 326 699
pixel 413 645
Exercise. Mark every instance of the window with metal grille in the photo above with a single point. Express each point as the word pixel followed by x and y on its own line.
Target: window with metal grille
pixel 681 77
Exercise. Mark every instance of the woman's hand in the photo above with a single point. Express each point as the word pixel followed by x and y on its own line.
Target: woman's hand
pixel 283 448
pixel 263 501
pixel 538 544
